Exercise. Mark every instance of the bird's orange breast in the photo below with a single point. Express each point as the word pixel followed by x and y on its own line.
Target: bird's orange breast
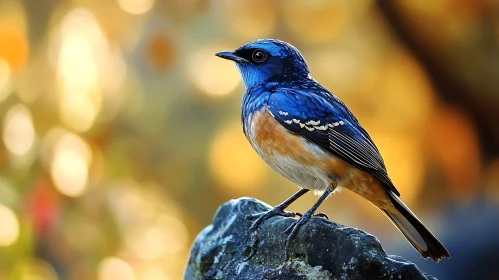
pixel 273 142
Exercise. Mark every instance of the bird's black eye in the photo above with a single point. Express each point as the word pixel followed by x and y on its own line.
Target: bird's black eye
pixel 259 56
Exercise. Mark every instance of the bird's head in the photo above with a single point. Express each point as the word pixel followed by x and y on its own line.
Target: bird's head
pixel 267 60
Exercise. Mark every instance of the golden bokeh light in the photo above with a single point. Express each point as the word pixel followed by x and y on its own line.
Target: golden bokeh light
pixel 70 141
pixel 77 111
pixel 248 19
pixel 13 46
pixel 69 172
pixel 155 243
pixel 113 268
pixel 76 63
pixel 136 7
pixel 5 79
pixel 18 130
pixel 87 68
pixel 336 69
pixel 154 272
pixel 9 226
pixel 80 38
pixel 155 232
pixel 234 163
pixel 404 160
pixel 69 165
pixel 395 85
pixel 317 21
pixel 404 91
pixel 168 237
pixel 211 74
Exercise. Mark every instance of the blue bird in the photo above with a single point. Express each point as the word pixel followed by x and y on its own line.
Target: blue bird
pixel 309 136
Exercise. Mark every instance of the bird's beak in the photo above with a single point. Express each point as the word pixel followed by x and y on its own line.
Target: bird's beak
pixel 231 56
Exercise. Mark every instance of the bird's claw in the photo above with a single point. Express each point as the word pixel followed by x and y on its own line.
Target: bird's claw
pixel 293 228
pixel 276 211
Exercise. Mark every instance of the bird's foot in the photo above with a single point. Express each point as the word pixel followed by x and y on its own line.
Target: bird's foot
pixel 321 215
pixel 293 228
pixel 276 211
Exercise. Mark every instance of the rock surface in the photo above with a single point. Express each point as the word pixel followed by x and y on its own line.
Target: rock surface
pixel 322 249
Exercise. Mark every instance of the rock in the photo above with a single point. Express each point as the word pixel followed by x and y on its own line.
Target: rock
pixel 322 249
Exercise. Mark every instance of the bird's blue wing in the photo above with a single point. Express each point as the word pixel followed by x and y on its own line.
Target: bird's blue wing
pixel 324 120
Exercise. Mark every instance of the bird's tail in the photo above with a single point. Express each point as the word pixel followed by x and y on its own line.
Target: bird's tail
pixel 414 230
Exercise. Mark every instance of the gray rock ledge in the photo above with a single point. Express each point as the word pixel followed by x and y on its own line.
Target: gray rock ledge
pixel 322 249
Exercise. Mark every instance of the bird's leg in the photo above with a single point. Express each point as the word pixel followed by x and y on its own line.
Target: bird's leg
pixel 276 211
pixel 293 228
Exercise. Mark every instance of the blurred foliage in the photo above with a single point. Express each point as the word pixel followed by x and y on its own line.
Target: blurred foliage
pixel 121 134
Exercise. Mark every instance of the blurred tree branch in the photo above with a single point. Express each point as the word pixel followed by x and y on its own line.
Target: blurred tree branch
pixel 450 88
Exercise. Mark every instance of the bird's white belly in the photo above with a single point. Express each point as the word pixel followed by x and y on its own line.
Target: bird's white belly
pixel 305 176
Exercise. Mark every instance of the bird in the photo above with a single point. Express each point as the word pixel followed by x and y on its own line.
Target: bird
pixel 308 135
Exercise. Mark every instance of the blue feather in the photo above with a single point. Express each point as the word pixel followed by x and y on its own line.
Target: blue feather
pixel 283 84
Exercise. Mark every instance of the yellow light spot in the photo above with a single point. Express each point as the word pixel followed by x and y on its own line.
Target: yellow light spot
pixel 404 161
pixel 87 68
pixel 69 172
pixel 154 273
pixel 315 21
pixel 13 46
pixel 9 226
pixel 211 74
pixel 5 81
pixel 76 64
pixel 136 6
pixel 70 141
pixel 18 131
pixel 175 235
pixel 402 74
pixel 69 166
pixel 234 163
pixel 77 111
pixel 167 237
pixel 155 243
pixel 335 69
pixel 113 268
pixel 248 19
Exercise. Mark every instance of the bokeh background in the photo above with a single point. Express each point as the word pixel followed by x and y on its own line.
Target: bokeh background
pixel 121 130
